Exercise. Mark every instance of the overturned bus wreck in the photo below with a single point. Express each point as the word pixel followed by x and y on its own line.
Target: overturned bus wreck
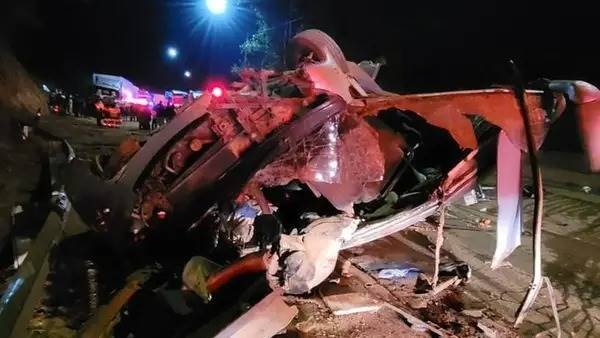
pixel 275 176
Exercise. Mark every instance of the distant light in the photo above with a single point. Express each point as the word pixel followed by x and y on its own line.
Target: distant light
pixel 216 7
pixel 45 88
pixel 172 52
pixel 217 92
pixel 187 73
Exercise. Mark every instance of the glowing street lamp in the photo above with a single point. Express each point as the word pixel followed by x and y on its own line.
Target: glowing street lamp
pixel 216 7
pixel 187 74
pixel 172 52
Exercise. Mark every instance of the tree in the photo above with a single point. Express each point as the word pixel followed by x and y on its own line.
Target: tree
pixel 257 50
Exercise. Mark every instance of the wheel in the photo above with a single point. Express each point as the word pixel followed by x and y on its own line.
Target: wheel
pixel 323 47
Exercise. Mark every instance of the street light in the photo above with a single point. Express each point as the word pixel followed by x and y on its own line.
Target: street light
pixel 172 52
pixel 187 74
pixel 216 7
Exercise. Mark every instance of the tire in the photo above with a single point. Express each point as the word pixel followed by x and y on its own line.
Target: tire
pixel 318 42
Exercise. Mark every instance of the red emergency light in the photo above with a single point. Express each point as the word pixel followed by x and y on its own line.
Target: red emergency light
pixel 217 91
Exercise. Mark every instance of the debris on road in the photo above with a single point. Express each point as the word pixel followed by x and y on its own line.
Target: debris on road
pixel 264 320
pixel 397 273
pixel 454 281
pixel 304 261
pixel 349 303
pixel 416 323
pixel 487 331
pixel 461 270
pixel 473 313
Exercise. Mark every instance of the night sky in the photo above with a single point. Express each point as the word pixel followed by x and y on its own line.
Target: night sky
pixel 429 45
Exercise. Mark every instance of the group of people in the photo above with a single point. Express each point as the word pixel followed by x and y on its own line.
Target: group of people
pixel 70 104
pixel 164 113
pixel 149 117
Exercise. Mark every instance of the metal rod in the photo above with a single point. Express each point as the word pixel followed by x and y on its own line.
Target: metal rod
pixel 554 307
pixel 439 241
pixel 536 172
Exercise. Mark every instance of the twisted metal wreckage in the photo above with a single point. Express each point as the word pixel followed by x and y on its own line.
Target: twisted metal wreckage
pixel 300 164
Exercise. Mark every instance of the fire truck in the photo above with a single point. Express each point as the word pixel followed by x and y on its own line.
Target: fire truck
pixel 115 96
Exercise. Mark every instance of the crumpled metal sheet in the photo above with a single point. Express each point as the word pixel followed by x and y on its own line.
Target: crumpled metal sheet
pixel 304 261
pixel 450 111
pixel 510 222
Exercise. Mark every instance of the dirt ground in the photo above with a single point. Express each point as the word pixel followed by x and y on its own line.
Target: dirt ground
pixel 86 138
pixel 20 162
pixel 571 233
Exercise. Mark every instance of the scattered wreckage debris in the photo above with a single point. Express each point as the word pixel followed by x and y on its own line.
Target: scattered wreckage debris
pixel 388 300
pixel 295 166
pixel 416 323
pixel 264 320
pixel 349 303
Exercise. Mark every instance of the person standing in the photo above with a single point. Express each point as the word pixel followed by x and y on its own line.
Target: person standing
pixel 159 114
pixel 70 105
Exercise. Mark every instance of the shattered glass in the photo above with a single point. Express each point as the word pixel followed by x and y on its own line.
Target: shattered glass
pixel 338 161
pixel 321 154
pixel 316 158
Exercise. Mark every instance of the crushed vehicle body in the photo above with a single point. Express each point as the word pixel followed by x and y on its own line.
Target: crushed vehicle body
pixel 297 165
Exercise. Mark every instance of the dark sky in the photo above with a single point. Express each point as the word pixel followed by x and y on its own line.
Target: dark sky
pixel 429 45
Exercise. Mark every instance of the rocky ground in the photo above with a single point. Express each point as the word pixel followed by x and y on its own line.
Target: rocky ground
pixel 489 299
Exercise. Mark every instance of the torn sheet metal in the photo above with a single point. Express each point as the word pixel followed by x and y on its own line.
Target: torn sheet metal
pixel 304 261
pixel 510 223
pixel 328 77
pixel 587 99
pixel 392 224
pixel 450 111
pixel 263 320
pixel 589 124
